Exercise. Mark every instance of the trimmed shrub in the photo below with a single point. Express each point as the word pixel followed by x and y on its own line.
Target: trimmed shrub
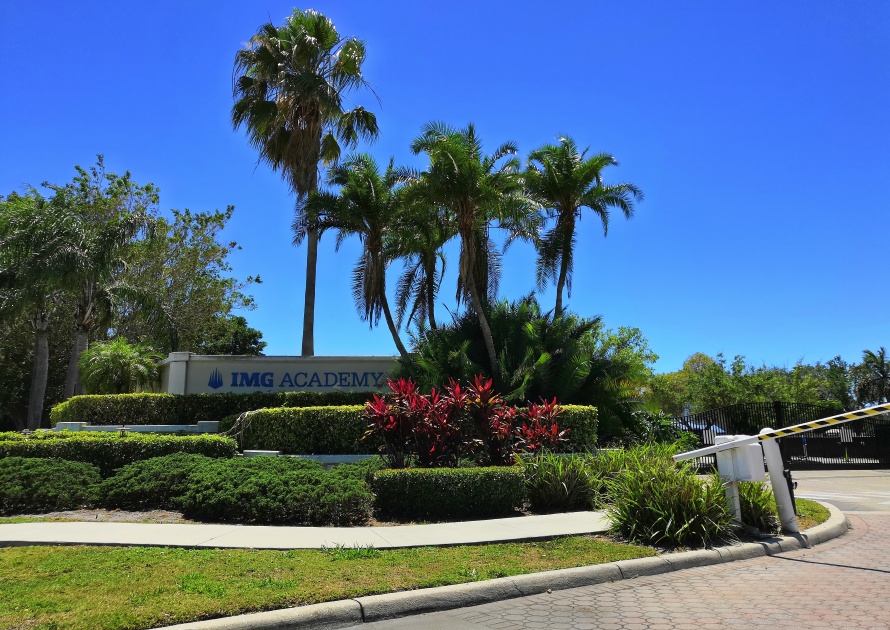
pixel 758 507
pixel 581 422
pixel 188 408
pixel 150 484
pixel 661 502
pixel 109 451
pixel 274 490
pixel 443 493
pixel 45 485
pixel 560 483
pixel 307 431
pixel 362 471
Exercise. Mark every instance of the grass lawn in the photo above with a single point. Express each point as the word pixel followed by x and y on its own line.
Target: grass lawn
pixel 810 513
pixel 143 587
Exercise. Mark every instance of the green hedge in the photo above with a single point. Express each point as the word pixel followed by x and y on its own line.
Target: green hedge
pixel 339 430
pixel 188 408
pixel 444 493
pixel 307 431
pixel 45 485
pixel 109 451
pixel 274 490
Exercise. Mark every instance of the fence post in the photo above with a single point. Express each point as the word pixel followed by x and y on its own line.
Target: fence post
pixel 777 479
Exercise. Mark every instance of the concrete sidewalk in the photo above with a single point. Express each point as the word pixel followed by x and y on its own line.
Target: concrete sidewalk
pixel 268 537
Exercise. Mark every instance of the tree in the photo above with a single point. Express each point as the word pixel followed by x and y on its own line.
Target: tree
pixel 181 294
pixel 35 262
pixel 367 205
pixel 116 367
pixel 422 233
pixel 475 190
pixel 873 378
pixel 566 182
pixel 109 212
pixel 289 84
pixel 231 335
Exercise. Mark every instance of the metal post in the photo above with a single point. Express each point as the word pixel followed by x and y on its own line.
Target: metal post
pixel 779 483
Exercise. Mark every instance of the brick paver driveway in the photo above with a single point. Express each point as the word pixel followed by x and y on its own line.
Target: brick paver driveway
pixel 844 583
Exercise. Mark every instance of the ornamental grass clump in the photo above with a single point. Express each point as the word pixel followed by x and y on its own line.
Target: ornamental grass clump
pixel 560 483
pixel 444 427
pixel 664 503
pixel 758 507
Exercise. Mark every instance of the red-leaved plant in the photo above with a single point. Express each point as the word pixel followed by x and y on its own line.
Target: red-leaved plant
pixel 439 429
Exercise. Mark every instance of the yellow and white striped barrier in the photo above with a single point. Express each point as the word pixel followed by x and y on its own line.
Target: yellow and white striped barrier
pixel 840 418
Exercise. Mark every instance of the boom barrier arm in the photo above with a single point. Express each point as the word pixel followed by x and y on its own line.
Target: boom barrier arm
pixel 840 418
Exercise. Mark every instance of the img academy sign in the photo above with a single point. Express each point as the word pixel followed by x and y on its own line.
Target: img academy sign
pixel 186 373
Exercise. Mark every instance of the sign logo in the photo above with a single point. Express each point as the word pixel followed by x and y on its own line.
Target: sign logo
pixel 216 380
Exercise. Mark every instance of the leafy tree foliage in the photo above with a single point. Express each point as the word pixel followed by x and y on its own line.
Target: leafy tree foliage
pixel 230 335
pixel 182 290
pixel 107 213
pixel 710 382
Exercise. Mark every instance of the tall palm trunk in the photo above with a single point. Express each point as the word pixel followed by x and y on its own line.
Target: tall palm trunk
pixel 565 259
pixel 486 331
pixel 431 296
pixel 309 300
pixel 392 328
pixel 40 370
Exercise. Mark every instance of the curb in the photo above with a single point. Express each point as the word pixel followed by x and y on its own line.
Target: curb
pixel 351 612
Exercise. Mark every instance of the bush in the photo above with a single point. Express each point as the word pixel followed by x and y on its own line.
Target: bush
pixel 363 470
pixel 758 507
pixel 664 503
pixel 560 483
pixel 440 428
pixel 45 485
pixel 306 431
pixel 274 490
pixel 108 451
pixel 188 408
pixel 444 493
pixel 150 484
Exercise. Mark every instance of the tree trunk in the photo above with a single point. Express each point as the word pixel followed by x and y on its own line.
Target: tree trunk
pixel 431 297
pixel 393 330
pixel 486 330
pixel 40 371
pixel 309 303
pixel 564 262
pixel 73 386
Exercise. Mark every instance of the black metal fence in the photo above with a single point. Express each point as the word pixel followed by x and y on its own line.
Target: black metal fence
pixel 861 444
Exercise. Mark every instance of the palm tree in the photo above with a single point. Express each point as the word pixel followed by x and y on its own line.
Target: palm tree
pixel 366 206
pixel 34 262
pixel 475 190
pixel 108 212
pixel 289 83
pixel 117 367
pixel 422 233
pixel 567 182
pixel 873 378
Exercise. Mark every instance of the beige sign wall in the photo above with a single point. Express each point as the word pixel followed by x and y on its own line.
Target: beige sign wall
pixel 186 373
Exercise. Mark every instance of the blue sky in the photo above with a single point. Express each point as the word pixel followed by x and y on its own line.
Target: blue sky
pixel 759 132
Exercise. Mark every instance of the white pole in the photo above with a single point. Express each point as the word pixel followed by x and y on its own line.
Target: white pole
pixel 776 469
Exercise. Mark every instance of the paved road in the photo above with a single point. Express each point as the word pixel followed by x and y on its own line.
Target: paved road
pixel 840 584
pixel 850 490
